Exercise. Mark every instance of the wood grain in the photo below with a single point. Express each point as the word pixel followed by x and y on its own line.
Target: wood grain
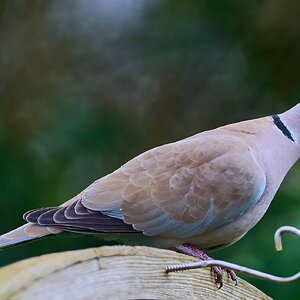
pixel 114 272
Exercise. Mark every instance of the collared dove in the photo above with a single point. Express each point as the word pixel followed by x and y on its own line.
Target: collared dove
pixel 205 191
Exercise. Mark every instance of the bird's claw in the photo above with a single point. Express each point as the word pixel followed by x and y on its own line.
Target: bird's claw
pixel 218 273
pixel 232 276
pixel 189 249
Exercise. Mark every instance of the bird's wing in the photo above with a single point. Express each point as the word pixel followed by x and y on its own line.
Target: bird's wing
pixel 183 188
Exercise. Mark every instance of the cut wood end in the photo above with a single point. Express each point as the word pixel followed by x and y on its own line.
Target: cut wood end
pixel 118 272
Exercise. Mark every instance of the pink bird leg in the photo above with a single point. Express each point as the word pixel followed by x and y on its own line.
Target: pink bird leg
pixel 191 250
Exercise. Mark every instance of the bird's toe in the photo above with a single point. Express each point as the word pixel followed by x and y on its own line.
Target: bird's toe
pixel 232 276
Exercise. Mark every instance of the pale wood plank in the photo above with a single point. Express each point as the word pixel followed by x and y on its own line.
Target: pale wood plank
pixel 114 272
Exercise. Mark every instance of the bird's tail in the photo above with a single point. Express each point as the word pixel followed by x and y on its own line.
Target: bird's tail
pixel 25 233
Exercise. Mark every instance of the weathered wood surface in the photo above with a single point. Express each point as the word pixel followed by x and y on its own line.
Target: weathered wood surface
pixel 117 272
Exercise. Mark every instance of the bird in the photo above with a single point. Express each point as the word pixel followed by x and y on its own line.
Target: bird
pixel 197 194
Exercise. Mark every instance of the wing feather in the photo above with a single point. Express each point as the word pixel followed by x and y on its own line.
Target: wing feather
pixel 184 188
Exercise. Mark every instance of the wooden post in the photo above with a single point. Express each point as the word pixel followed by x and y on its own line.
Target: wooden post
pixel 114 272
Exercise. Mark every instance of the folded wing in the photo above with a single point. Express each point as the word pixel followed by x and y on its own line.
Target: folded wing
pixel 181 189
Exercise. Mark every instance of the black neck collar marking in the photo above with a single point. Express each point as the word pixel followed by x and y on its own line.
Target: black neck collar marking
pixel 282 127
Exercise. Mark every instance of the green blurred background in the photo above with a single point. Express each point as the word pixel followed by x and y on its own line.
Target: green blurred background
pixel 87 85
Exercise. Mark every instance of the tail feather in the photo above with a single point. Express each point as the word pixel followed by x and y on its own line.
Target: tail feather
pixel 76 217
pixel 25 233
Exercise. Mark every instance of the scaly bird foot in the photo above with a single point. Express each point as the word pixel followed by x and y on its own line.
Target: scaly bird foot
pixel 191 250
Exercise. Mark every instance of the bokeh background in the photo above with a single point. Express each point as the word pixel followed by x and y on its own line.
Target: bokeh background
pixel 87 85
